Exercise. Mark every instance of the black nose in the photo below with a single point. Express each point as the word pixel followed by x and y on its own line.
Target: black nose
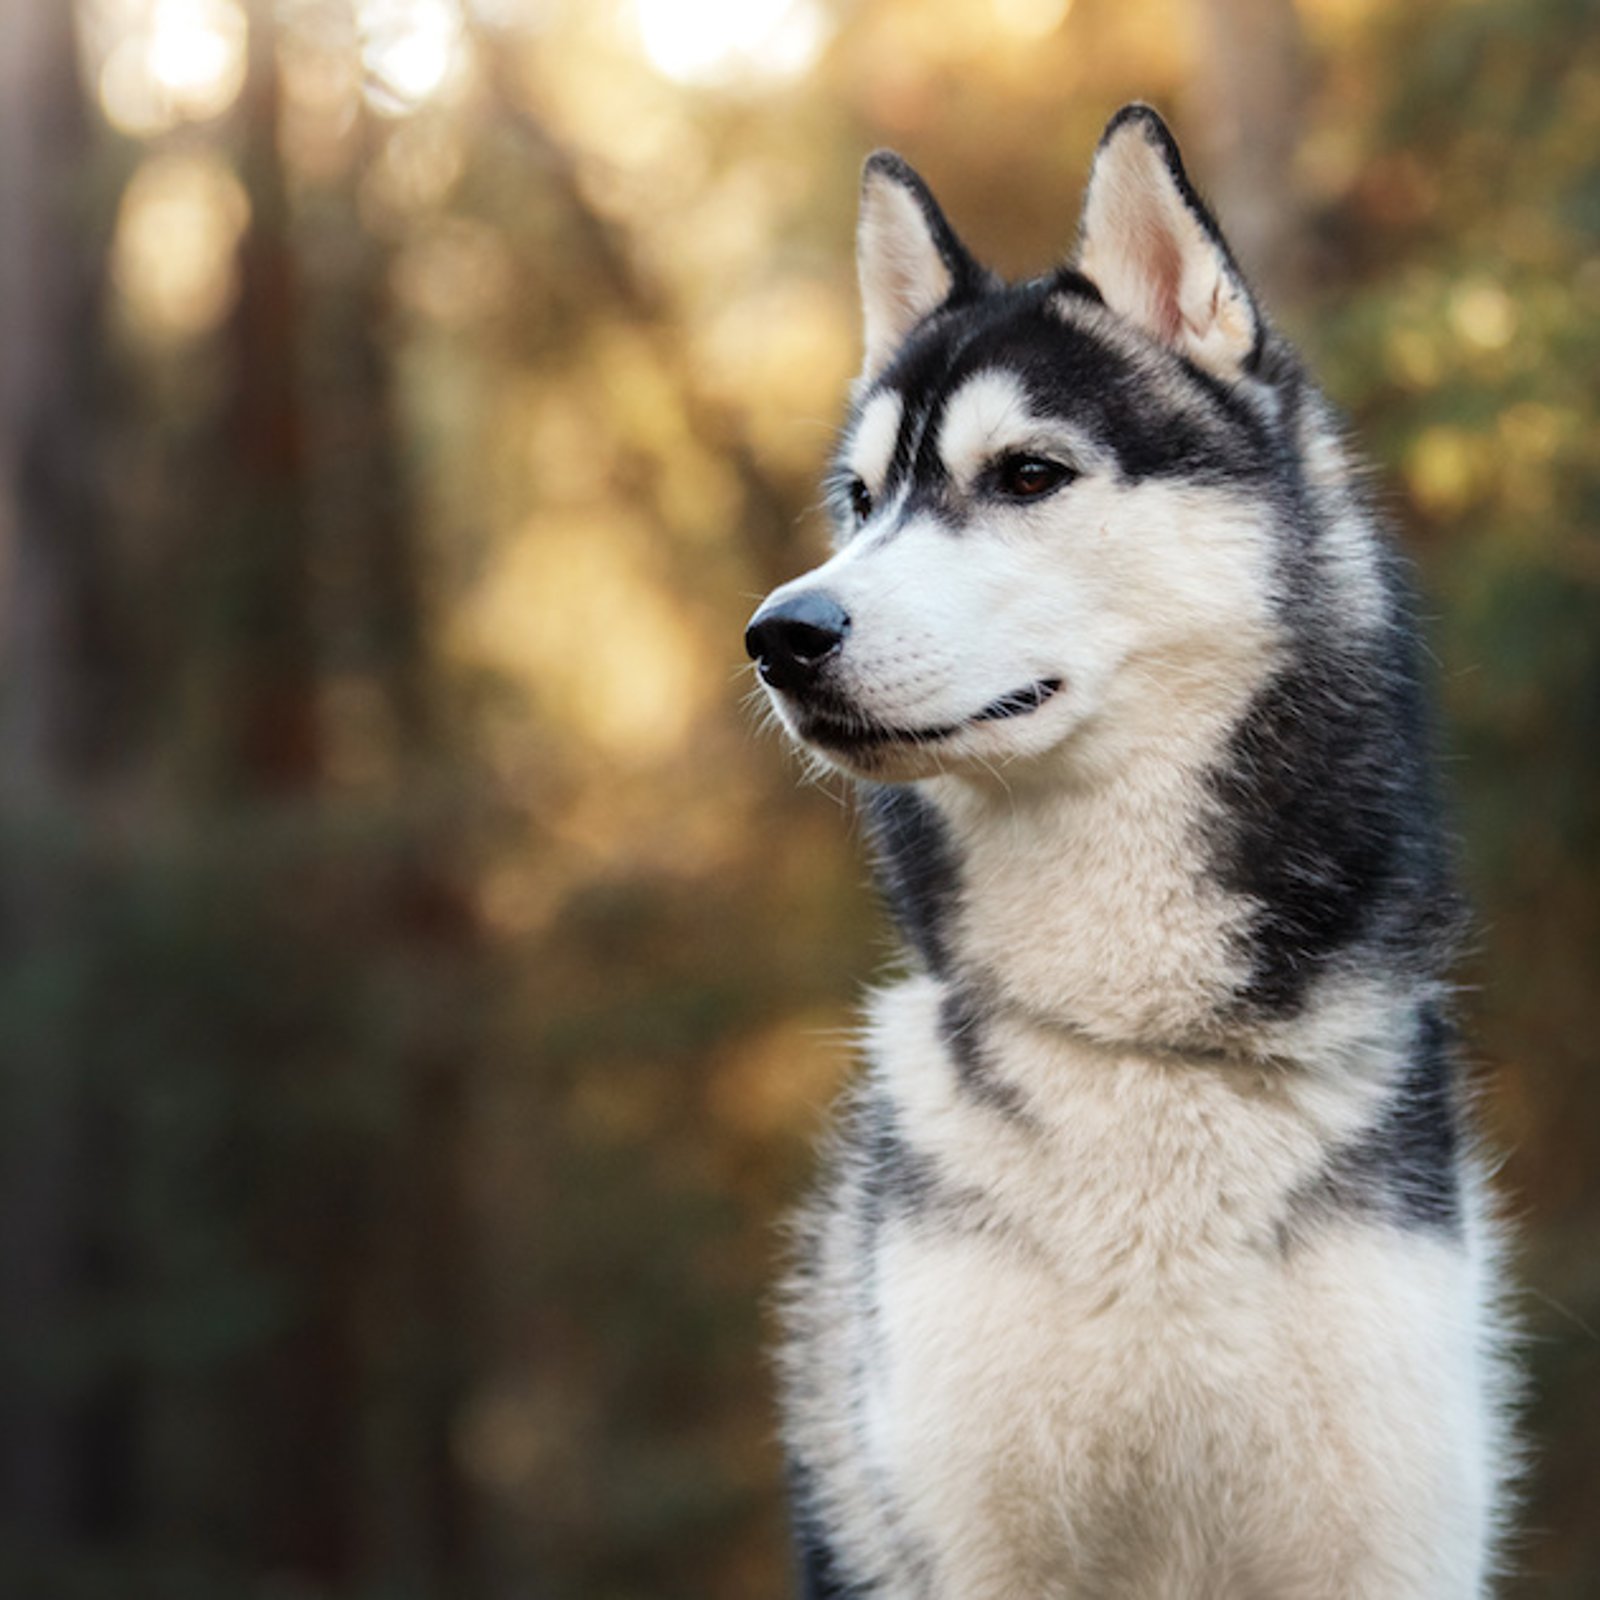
pixel 790 641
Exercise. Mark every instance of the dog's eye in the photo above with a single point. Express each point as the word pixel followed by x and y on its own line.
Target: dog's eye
pixel 1028 477
pixel 860 499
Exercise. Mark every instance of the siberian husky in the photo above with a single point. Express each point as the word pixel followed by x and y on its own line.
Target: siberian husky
pixel 1154 1261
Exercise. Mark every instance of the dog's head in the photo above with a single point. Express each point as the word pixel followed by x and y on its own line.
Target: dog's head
pixel 1053 498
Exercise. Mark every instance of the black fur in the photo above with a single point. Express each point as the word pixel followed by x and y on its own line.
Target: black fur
pixel 897 1180
pixel 1068 280
pixel 1199 429
pixel 817 1567
pixel 1406 1168
pixel 1330 821
pixel 961 1023
pixel 967 277
pixel 1417 1145
pixel 916 869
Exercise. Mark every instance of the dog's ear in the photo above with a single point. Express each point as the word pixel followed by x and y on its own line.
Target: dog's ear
pixel 1157 255
pixel 908 257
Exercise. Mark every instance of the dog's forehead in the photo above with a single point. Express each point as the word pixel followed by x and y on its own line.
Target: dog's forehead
pixel 974 378
pixel 872 439
pixel 989 410
pixel 955 351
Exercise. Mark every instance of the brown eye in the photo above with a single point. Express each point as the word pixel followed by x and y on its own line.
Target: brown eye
pixel 860 499
pixel 1028 477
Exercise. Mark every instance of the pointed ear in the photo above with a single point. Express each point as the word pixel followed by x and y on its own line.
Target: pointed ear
pixel 908 257
pixel 1157 255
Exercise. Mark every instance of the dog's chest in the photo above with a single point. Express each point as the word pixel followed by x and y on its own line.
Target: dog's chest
pixel 1119 1183
pixel 1091 1309
pixel 1103 1335
pixel 1128 1264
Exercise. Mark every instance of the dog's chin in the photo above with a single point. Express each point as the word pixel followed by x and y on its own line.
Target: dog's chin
pixel 889 763
pixel 849 736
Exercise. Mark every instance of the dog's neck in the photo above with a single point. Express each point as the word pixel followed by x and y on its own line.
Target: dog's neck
pixel 1088 902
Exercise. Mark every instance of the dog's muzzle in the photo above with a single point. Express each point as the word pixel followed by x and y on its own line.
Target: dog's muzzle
pixel 792 640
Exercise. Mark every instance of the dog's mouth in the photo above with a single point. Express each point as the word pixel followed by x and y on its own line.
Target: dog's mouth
pixel 849 731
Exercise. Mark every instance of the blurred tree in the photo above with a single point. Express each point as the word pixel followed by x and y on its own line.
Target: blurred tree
pixel 263 707
pixel 58 733
pixel 1247 101
pixel 409 1279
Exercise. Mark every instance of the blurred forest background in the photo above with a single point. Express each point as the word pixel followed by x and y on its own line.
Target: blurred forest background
pixel 419 985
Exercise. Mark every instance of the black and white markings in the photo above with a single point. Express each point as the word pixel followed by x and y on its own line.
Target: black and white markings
pixel 1329 822
pixel 917 869
pixel 1161 1134
pixel 962 1025
pixel 1405 1170
pixel 942 402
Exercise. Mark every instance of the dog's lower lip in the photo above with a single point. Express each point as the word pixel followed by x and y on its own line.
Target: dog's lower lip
pixel 840 734
pixel 1020 701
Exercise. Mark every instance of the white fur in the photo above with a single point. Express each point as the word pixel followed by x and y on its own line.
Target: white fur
pixel 1346 539
pixel 1106 585
pixel 989 417
pixel 872 443
pixel 902 275
pixel 1117 1378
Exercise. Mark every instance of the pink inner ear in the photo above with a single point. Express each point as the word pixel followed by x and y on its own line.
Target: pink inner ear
pixel 1163 266
pixel 1213 312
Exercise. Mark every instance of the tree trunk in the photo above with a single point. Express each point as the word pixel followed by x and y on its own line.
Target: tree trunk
pixel 265 712
pixel 374 583
pixel 56 722
pixel 1249 96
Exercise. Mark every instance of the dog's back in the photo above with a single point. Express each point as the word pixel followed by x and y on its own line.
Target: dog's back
pixel 1153 1260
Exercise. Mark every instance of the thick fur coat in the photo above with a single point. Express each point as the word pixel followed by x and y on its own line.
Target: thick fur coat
pixel 1153 1259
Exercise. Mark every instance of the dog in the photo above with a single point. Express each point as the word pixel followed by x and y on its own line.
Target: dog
pixel 1155 1259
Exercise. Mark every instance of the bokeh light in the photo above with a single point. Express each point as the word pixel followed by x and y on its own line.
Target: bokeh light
pixel 1031 19
pixel 167 61
pixel 727 41
pixel 172 258
pixel 412 49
